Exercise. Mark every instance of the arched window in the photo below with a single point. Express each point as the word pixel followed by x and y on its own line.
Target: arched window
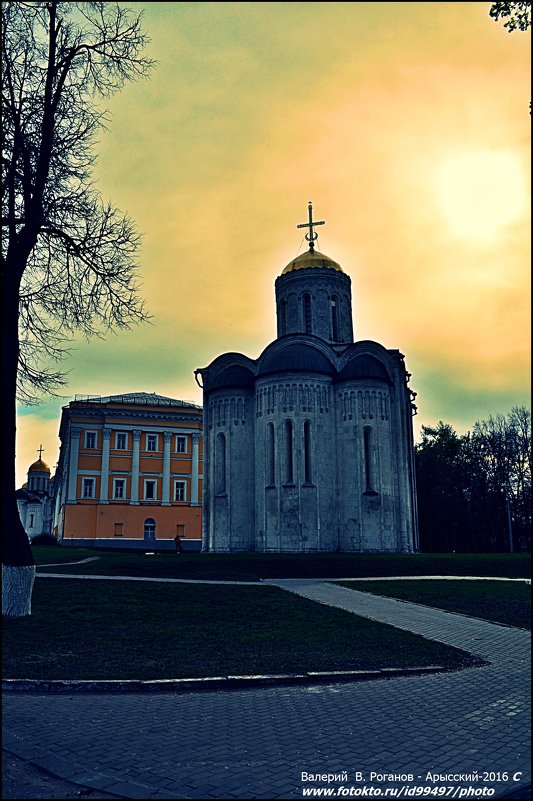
pixel 369 472
pixel 271 457
pixel 149 529
pixel 307 313
pixel 220 464
pixel 308 478
pixel 283 317
pixel 335 318
pixel 289 456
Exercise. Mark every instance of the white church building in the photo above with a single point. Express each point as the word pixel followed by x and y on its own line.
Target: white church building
pixel 309 447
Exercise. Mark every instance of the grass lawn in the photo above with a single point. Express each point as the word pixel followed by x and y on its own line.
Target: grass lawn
pixel 254 566
pixel 129 630
pixel 497 601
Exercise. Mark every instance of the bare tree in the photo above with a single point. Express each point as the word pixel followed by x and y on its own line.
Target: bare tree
pixel 68 258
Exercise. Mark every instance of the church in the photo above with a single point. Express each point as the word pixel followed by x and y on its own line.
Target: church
pixel 309 448
pixel 35 499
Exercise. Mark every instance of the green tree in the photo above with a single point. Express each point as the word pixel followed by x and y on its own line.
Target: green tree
pixel 517 16
pixel 439 479
pixel 474 491
pixel 68 259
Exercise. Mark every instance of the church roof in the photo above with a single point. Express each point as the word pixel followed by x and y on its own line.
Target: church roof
pixel 295 357
pixel 234 375
pixel 38 467
pixel 311 260
pixel 364 365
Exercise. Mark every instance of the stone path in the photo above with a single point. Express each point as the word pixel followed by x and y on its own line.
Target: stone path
pixel 79 562
pixel 472 727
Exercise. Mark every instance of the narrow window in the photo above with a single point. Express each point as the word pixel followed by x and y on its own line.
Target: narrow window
pixel 307 313
pixel 32 518
pixel 220 464
pixel 118 529
pixel 367 442
pixel 179 491
pixel 151 442
pixel 149 529
pixel 283 317
pixel 150 490
pixel 289 457
pixel 271 459
pixel 335 318
pixel 307 453
pixel 181 444
pixel 88 488
pixel 119 487
pixel 121 441
pixel 90 439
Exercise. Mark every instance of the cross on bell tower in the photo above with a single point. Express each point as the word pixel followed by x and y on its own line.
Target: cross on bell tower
pixel 40 450
pixel 311 235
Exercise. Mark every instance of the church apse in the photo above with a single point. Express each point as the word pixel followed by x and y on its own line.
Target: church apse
pixel 309 447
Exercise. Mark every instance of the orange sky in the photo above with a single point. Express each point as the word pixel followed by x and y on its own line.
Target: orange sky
pixel 406 124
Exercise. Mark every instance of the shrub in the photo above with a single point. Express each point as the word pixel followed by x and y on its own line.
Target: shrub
pixel 44 539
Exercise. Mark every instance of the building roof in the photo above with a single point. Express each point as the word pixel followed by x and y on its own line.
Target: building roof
pixel 311 259
pixel 364 365
pixel 295 357
pixel 137 398
pixel 38 467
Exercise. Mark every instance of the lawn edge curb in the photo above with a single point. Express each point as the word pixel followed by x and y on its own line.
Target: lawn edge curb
pixel 216 682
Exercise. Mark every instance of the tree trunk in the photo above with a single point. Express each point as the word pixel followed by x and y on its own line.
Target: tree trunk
pixel 18 568
pixel 17 585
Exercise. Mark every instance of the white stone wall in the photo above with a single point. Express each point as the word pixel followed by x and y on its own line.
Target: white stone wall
pixel 297 515
pixel 321 285
pixel 228 506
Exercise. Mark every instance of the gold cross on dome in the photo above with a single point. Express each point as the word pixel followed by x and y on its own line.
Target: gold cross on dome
pixel 311 236
pixel 41 449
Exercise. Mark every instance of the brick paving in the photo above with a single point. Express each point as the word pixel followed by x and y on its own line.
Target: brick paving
pixel 255 743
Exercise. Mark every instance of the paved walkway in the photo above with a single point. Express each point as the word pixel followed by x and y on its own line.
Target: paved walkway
pixel 256 743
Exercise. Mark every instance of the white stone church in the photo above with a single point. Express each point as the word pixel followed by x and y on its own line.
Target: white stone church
pixel 310 446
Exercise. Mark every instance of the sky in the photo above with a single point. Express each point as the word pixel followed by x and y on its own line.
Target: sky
pixel 408 127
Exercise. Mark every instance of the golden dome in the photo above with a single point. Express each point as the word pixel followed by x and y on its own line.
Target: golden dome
pixel 38 467
pixel 311 259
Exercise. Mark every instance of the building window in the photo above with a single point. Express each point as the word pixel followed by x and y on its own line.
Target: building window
pixel 149 529
pixel 121 441
pixel 283 317
pixel 271 455
pixel 307 313
pixel 90 439
pixel 119 488
pixel 369 472
pixel 151 442
pixel 307 453
pixel 220 464
pixel 88 488
pixel 150 490
pixel 335 318
pixel 289 456
pixel 180 493
pixel 118 530
pixel 32 518
pixel 181 444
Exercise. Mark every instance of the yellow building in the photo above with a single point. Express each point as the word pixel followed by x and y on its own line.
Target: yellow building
pixel 129 473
